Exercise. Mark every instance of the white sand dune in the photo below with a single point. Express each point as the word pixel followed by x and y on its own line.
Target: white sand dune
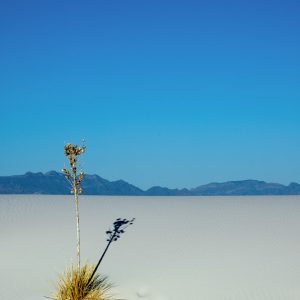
pixel 180 248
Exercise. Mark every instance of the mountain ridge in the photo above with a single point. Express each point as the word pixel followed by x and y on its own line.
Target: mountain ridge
pixel 54 183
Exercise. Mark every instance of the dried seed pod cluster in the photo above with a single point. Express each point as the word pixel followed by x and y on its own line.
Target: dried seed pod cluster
pixel 72 152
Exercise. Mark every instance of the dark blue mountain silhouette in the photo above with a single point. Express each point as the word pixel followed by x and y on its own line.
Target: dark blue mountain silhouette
pixel 54 183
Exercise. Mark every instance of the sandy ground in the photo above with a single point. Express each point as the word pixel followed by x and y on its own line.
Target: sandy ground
pixel 179 248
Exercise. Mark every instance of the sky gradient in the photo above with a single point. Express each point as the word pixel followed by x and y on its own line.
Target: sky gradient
pixel 170 93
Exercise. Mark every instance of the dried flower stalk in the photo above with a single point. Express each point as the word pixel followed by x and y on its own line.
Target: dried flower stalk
pixel 72 152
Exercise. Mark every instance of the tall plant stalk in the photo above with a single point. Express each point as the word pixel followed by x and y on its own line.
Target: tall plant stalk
pixel 72 152
pixel 77 227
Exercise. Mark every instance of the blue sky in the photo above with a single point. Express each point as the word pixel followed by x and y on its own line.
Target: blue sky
pixel 171 93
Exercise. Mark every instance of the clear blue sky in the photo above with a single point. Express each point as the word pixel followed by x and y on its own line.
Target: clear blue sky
pixel 171 93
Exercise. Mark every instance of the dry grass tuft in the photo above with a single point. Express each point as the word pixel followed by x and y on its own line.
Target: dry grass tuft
pixel 73 285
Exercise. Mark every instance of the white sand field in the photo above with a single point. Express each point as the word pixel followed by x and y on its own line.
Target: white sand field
pixel 179 248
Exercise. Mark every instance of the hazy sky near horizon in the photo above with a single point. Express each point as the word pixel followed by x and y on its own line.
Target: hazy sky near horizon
pixel 171 93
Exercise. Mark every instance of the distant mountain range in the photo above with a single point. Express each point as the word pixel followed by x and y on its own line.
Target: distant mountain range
pixel 54 183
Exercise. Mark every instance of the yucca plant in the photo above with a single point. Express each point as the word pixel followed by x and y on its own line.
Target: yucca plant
pixel 83 283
